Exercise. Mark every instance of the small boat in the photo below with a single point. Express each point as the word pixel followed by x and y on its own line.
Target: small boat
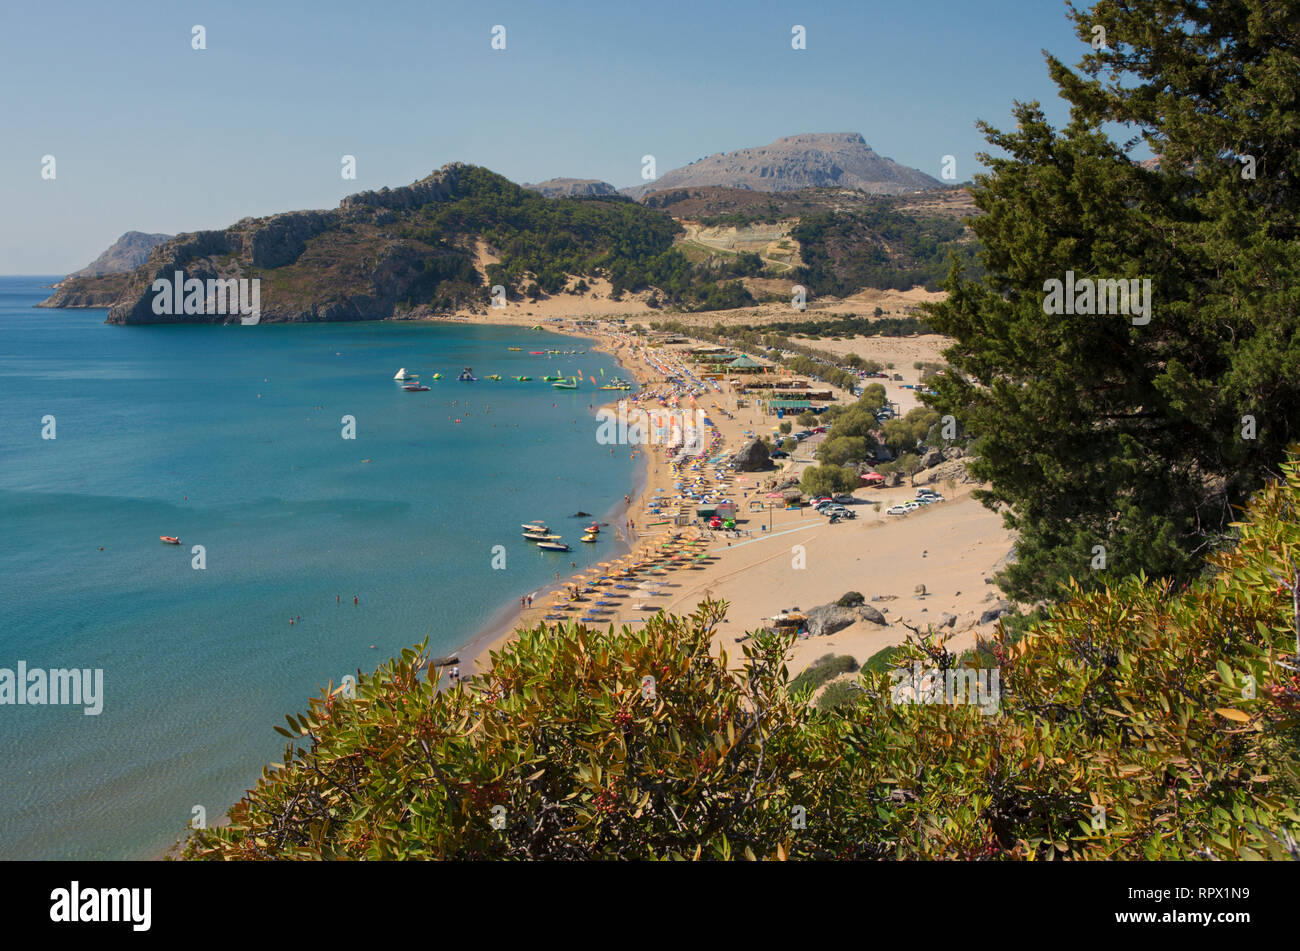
pixel 169 539
pixel 437 376
pixel 401 375
pixel 494 376
pixel 534 527
pixel 514 348
pixel 537 353
pixel 466 376
pixel 566 385
pixel 541 537
pixel 593 528
pixel 523 379
pixel 589 538
pixel 552 379
pixel 415 387
pixel 553 546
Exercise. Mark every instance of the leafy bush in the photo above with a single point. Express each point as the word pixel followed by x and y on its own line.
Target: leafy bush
pixel 821 670
pixel 829 480
pixel 838 694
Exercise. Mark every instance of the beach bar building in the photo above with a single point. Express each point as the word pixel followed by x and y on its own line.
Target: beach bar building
pixel 743 364
pixel 784 407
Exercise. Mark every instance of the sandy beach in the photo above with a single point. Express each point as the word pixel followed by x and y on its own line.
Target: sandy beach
pixel 779 559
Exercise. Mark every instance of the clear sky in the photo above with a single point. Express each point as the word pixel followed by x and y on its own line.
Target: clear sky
pixel 149 134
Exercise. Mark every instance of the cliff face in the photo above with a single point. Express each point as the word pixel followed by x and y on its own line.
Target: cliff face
pixel 356 262
pixel 819 160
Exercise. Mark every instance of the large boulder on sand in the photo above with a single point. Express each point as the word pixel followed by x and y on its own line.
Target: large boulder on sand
pixel 930 458
pixel 752 457
pixel 830 618
pixel 868 613
pixel 995 611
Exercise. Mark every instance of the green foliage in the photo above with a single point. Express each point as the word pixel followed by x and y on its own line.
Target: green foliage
pixel 844 252
pixel 838 694
pixel 822 670
pixel 882 661
pixel 1093 430
pixel 553 238
pixel 902 435
pixel 829 480
pixel 839 450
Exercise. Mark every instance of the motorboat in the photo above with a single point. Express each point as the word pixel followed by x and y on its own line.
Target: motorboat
pixel 415 387
pixel 494 376
pixel 589 537
pixel 566 385
pixel 553 546
pixel 534 527
pixel 593 528
pixel 514 348
pixel 552 378
pixel 437 376
pixel 542 536
pixel 401 375
pixel 169 539
pixel 523 379
pixel 466 376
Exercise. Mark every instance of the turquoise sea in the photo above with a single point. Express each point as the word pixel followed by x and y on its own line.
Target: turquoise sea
pixel 231 438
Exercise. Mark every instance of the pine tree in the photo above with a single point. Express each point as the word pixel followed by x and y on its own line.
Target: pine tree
pixel 1114 446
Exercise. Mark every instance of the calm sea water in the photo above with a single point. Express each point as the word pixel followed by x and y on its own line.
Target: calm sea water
pixel 230 438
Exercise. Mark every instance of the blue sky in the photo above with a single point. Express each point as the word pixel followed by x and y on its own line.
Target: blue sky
pixel 149 134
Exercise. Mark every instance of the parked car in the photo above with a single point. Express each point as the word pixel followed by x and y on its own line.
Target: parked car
pixel 778 454
pixel 845 499
pixel 897 510
pixel 818 429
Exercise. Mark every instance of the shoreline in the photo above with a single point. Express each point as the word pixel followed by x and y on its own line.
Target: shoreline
pixel 474 656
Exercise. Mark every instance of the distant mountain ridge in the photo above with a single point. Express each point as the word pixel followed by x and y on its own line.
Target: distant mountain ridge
pixel 572 188
pixel 101 282
pixel 813 160
pixel 125 254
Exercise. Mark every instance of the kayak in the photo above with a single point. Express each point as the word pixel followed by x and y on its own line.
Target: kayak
pixel 169 539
